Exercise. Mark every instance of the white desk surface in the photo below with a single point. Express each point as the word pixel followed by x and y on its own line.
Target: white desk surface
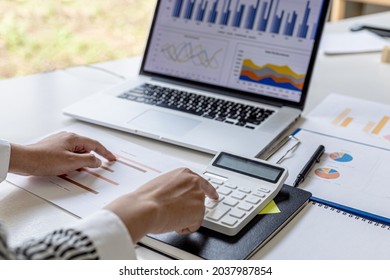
pixel 31 107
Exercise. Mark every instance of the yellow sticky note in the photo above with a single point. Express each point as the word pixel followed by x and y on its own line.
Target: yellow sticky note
pixel 271 208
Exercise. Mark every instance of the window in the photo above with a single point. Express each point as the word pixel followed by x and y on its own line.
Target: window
pixel 44 35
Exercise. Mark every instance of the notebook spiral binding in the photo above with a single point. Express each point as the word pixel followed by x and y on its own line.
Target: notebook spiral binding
pixel 352 216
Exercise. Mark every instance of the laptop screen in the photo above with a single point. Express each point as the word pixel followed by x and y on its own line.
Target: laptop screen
pixel 257 49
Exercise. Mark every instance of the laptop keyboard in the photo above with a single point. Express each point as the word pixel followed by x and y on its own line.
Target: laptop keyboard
pixel 208 107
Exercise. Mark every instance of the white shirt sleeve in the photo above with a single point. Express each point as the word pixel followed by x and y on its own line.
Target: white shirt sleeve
pixel 5 153
pixel 109 235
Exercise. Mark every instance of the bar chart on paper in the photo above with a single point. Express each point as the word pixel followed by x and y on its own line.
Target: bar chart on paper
pixel 375 125
pixel 354 119
pixel 86 190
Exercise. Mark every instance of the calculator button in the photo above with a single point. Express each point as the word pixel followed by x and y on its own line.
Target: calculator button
pixel 230 202
pixel 245 206
pixel 238 195
pixel 230 186
pixel 253 199
pixel 230 221
pixel 245 190
pixel 237 213
pixel 206 177
pixel 258 194
pixel 264 190
pixel 224 191
pixel 211 203
pixel 216 182
pixel 217 213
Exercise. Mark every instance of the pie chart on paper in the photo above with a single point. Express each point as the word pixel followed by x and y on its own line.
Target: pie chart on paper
pixel 341 157
pixel 327 173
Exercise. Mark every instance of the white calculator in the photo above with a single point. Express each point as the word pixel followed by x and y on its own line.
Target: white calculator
pixel 245 186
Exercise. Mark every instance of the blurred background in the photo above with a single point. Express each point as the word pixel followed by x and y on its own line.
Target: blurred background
pixel 44 35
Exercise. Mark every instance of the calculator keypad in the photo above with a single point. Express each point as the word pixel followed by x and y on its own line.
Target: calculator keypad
pixel 235 205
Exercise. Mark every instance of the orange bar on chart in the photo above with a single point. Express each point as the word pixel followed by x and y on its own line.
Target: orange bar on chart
pixel 346 122
pixel 368 127
pixel 381 125
pixel 98 176
pixel 130 165
pixel 342 116
pixel 138 163
pixel 64 177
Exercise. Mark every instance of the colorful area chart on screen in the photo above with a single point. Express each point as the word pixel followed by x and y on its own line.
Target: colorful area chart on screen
pixel 272 75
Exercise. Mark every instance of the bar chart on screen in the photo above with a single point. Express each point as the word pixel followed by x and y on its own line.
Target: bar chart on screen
pixel 283 17
pixel 86 190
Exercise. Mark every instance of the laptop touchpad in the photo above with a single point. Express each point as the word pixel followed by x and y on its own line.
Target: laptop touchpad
pixel 161 122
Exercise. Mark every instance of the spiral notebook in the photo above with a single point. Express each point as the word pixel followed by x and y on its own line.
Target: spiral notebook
pixel 322 232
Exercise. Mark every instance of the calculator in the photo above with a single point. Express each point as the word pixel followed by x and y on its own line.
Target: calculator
pixel 245 186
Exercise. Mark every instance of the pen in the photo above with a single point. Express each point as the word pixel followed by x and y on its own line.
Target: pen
pixel 315 158
pixel 383 32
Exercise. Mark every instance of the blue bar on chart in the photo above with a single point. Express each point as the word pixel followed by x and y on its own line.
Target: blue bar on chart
pixel 290 24
pixel 201 10
pixel 238 14
pixel 177 8
pixel 213 13
pixel 263 23
pixel 303 28
pixel 226 13
pixel 314 32
pixel 272 16
pixel 277 20
pixel 250 20
pixel 189 9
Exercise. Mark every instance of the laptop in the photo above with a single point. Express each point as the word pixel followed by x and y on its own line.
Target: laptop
pixel 216 75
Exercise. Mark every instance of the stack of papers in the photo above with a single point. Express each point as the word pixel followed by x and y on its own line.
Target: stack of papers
pixel 353 42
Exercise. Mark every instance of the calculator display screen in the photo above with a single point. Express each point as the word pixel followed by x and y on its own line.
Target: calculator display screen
pixel 248 167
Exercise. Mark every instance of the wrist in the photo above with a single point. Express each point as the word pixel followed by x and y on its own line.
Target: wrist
pixel 140 218
pixel 21 160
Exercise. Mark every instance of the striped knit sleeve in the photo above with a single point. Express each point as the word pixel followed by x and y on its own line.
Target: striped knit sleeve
pixel 63 244
pixel 4 254
pixel 101 235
